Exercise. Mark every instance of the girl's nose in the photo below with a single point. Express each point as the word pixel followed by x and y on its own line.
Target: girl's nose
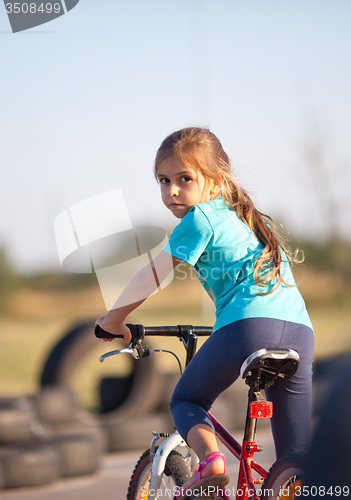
pixel 173 190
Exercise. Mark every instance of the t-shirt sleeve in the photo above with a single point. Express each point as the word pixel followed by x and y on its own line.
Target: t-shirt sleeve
pixel 190 238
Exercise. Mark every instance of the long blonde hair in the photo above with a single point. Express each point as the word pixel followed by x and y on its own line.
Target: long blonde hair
pixel 200 149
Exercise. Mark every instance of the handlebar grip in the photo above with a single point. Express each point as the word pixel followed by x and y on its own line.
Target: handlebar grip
pixel 137 331
pixel 102 334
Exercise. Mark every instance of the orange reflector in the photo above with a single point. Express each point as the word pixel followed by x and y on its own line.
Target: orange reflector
pixel 261 409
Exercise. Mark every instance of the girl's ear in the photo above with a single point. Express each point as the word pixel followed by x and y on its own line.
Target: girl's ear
pixel 216 184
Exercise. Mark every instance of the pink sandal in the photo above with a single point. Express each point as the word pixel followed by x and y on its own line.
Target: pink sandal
pixel 201 484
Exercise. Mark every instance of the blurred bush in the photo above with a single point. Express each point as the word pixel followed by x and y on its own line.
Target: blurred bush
pixel 327 270
pixel 333 254
pixel 58 280
pixel 9 279
pixel 331 258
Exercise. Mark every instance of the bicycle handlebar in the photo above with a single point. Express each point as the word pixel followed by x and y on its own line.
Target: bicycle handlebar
pixel 139 331
pixel 186 333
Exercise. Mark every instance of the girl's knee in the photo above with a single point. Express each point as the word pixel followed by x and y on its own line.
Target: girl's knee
pixel 175 400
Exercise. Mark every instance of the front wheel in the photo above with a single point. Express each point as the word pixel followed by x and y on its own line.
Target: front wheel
pixel 175 474
pixel 284 480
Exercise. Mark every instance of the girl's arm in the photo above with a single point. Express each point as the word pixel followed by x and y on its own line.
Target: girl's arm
pixel 140 287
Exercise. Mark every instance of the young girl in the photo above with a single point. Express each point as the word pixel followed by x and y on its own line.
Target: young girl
pixel 244 266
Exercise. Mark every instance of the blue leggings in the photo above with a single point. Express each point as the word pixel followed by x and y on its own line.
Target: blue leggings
pixel 217 365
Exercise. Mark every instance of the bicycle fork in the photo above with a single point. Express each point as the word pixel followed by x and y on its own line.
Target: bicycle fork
pixel 160 457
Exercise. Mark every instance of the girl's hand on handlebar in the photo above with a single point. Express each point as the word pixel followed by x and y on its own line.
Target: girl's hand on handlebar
pixel 114 329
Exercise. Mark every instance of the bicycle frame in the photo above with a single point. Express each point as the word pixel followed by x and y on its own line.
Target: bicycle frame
pixel 244 453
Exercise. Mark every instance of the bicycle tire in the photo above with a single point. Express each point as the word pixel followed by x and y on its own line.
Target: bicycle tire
pixel 175 474
pixel 285 477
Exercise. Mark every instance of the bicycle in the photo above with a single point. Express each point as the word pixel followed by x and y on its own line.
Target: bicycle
pixel 162 470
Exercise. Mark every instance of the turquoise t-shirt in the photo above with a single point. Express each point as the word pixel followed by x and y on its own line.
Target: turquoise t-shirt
pixel 222 249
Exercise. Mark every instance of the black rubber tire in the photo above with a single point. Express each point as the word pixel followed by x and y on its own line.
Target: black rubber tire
pixel 31 465
pixel 56 403
pixel 114 391
pixel 2 477
pixel 170 381
pixel 176 473
pixel 136 433
pixel 17 421
pixel 285 475
pixel 142 395
pixel 86 424
pixel 78 453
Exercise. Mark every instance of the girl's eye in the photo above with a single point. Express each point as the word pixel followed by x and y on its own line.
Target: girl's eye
pixel 164 180
pixel 185 178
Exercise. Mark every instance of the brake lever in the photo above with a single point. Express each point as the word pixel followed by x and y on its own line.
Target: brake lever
pixel 137 352
pixel 113 353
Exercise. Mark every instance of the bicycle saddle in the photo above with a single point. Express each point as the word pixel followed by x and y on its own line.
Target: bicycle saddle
pixel 265 365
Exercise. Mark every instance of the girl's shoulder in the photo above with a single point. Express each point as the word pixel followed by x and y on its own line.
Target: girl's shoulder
pixel 223 219
pixel 218 211
pixel 203 217
pixel 217 206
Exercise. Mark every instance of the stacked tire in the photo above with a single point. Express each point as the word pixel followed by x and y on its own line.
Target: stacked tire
pixel 24 461
pixel 77 435
pixel 39 446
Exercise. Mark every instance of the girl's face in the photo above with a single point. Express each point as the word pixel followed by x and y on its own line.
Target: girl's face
pixel 182 187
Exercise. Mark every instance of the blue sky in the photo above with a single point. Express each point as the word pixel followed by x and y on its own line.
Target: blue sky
pixel 88 98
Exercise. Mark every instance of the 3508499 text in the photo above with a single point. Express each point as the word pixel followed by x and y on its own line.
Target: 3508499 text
pixel 32 8
pixel 300 491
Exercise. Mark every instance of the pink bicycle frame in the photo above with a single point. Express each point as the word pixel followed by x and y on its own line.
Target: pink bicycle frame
pixel 246 482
